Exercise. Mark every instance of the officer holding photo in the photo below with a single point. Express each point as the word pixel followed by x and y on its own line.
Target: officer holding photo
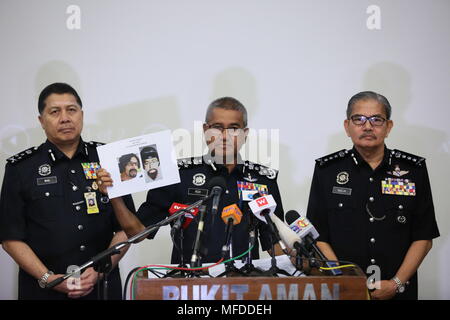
pixel 225 131
pixel 52 215
pixel 373 205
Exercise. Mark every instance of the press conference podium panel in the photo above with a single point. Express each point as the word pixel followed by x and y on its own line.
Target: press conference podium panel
pixel 315 287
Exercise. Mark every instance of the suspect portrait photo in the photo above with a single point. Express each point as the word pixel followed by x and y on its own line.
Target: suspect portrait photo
pixel 129 166
pixel 151 164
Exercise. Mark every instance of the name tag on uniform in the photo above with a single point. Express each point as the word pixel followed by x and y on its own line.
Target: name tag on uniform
pixel 47 180
pixel 399 187
pixel 342 191
pixel 198 192
pixel 91 202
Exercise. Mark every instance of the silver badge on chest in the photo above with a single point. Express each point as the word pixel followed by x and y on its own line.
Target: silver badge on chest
pixel 44 170
pixel 199 179
pixel 342 177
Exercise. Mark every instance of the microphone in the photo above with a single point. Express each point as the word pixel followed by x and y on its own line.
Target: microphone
pixel 262 207
pixel 195 258
pixel 301 225
pixel 185 219
pixel 289 237
pixel 231 215
pixel 306 231
pixel 217 185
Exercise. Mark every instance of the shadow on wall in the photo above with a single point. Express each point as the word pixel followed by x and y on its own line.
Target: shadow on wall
pixel 394 82
pixel 112 124
pixel 239 83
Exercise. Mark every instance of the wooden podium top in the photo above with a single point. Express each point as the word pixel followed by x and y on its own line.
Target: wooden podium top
pixel 349 286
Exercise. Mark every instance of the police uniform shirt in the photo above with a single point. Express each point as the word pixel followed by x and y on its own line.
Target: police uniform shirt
pixel 195 175
pixel 43 204
pixel 371 217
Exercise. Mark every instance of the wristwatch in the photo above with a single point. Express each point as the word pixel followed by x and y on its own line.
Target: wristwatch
pixel 400 285
pixel 42 281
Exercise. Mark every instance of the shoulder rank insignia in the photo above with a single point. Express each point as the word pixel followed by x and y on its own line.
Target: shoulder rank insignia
pixel 332 157
pixel 262 170
pixel 397 154
pixel 22 155
pixel 95 143
pixel 185 163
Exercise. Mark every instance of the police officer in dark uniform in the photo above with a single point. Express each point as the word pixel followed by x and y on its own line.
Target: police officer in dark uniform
pixel 52 215
pixel 225 132
pixel 372 205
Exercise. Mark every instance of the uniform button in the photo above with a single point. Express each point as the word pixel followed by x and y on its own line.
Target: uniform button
pixel 74 188
pixel 78 208
pixel 371 219
pixel 82 248
pixel 371 179
pixel 400 207
pixel 372 261
pixel 340 205
pixel 80 227
pixel 72 171
pixel 371 199
pixel 372 240
pixel 47 194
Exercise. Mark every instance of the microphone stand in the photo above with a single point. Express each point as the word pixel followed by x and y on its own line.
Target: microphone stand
pixel 178 273
pixel 249 268
pixel 274 271
pixel 230 268
pixel 102 261
pixel 196 253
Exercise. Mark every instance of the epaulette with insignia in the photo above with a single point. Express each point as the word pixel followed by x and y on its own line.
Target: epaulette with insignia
pixel 262 170
pixel 95 143
pixel 417 160
pixel 22 155
pixel 332 157
pixel 190 162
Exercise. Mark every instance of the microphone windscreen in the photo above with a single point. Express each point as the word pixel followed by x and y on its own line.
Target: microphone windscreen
pixel 291 216
pixel 217 181
pixel 233 212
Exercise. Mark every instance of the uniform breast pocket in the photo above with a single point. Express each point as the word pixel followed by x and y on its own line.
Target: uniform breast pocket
pixel 399 215
pixel 47 204
pixel 342 215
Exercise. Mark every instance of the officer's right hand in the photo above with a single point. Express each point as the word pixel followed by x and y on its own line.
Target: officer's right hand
pixel 104 180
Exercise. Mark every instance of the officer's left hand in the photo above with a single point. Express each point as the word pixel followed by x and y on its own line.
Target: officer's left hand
pixel 87 283
pixel 104 180
pixel 387 290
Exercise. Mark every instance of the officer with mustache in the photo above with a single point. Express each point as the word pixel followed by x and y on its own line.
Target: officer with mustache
pixel 52 215
pixel 373 205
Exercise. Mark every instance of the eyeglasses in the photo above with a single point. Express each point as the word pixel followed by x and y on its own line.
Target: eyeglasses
pixel 360 120
pixel 219 130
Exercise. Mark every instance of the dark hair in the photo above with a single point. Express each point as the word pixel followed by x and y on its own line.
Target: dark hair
pixel 227 103
pixel 123 161
pixel 58 88
pixel 365 95
pixel 149 152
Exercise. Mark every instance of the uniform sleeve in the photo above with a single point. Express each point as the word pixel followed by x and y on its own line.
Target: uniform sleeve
pixel 264 231
pixel 12 207
pixel 129 203
pixel 156 207
pixel 424 221
pixel 317 211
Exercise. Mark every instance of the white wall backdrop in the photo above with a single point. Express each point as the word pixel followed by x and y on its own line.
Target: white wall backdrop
pixel 293 63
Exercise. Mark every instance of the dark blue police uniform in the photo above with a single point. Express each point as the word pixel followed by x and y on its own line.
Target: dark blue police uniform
pixel 195 173
pixel 44 203
pixel 371 217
